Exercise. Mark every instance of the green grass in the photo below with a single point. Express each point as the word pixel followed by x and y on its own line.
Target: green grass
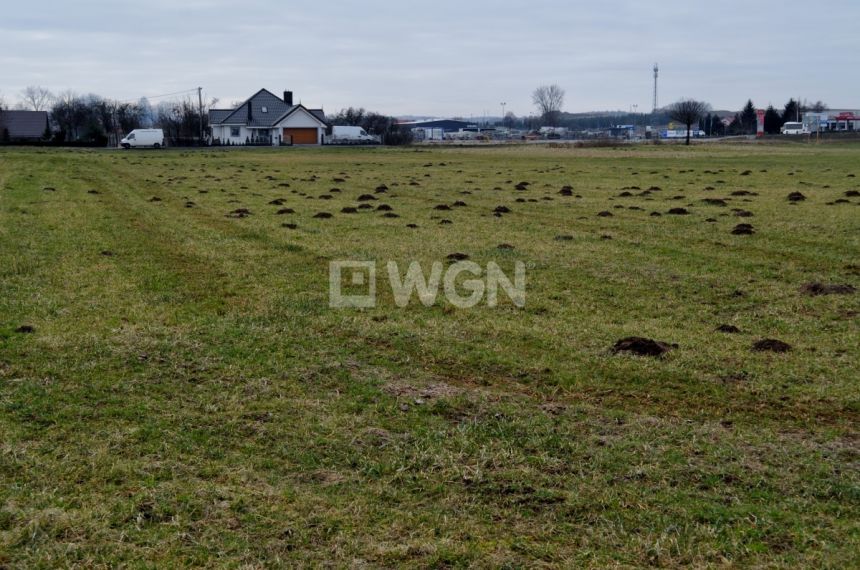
pixel 192 400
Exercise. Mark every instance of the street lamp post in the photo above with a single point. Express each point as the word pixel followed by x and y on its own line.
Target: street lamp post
pixel 503 111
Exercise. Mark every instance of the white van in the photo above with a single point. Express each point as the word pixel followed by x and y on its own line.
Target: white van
pixel 351 135
pixel 143 137
pixel 794 129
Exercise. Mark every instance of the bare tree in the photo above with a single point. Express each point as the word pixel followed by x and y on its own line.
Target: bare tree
pixel 2 102
pixel 817 107
pixel 549 100
pixel 688 111
pixel 37 98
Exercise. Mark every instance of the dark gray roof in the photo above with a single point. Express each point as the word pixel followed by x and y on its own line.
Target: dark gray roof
pixel 275 109
pixel 216 116
pixel 24 124
pixel 319 114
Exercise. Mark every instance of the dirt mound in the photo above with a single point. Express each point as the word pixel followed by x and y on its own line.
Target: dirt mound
pixel 715 202
pixel 366 197
pixel 743 193
pixel 501 210
pixel 384 208
pixel 239 213
pixel 390 215
pixel 852 193
pixel 743 213
pixel 155 199
pixel 283 211
pixel 815 289
pixel 678 211
pixel 106 253
pixel 566 191
pixel 382 188
pixel 289 226
pixel 442 207
pixel 642 346
pixel 655 214
pixel 563 238
pixel 190 204
pixel 796 197
pixel 771 345
pixel 365 207
pixel 504 246
pixel 349 210
pixel 25 329
pixel 743 230
pixel 97 192
pixel 322 215
pixel 445 222
pixel 277 202
pixel 605 214
pixel 460 204
pixel 413 226
pixel 456 257
pixel 728 329
pixel 418 394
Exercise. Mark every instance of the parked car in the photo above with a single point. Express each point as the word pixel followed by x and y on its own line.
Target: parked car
pixel 139 138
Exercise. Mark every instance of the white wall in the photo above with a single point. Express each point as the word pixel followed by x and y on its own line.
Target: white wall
pixel 301 119
pixel 298 120
pixel 223 133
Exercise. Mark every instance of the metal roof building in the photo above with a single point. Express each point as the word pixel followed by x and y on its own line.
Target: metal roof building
pixel 23 125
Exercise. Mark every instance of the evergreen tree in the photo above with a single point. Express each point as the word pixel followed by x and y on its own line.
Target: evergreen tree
pixel 772 121
pixel 748 118
pixel 790 112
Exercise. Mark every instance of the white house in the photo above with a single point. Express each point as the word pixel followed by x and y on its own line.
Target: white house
pixel 266 118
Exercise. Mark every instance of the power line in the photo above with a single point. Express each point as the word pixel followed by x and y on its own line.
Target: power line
pixel 169 94
pixel 150 97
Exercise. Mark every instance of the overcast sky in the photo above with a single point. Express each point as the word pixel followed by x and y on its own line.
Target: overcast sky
pixel 441 58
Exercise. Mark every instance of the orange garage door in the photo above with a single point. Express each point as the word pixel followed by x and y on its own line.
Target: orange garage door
pixel 301 136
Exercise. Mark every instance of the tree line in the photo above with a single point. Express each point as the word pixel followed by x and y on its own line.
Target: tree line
pixel 91 118
pixel 94 119
pixel 373 123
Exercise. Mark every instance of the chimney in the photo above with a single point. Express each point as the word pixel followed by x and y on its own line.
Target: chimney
pixel 288 98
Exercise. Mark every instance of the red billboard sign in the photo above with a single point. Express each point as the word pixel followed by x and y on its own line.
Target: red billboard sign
pixel 759 115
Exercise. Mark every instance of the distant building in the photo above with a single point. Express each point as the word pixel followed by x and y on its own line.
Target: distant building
pixel 447 125
pixel 833 121
pixel 622 131
pixel 22 126
pixel 266 119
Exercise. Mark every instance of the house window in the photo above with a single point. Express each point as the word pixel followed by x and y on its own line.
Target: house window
pixel 234 131
pixel 265 109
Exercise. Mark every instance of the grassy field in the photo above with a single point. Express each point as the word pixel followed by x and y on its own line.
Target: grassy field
pixel 175 390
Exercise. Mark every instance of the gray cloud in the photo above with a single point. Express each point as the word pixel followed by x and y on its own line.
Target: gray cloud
pixel 442 58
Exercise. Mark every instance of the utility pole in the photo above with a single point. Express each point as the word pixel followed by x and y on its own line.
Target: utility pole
pixel 200 103
pixel 503 111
